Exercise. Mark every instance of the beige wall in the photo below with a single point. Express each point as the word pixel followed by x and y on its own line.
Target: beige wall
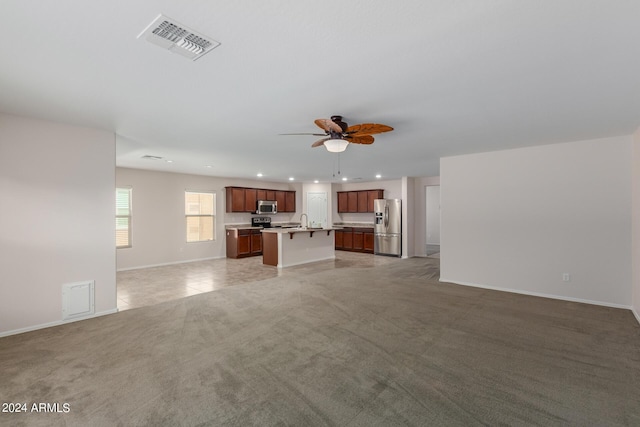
pixel 158 224
pixel 636 224
pixel 56 220
pixel 518 219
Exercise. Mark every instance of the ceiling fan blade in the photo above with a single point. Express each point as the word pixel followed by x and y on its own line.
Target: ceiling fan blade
pixel 359 139
pixel 320 142
pixel 328 125
pixel 367 129
pixel 315 134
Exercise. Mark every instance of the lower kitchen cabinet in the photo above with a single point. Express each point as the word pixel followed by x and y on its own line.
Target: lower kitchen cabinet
pixel 243 242
pixel 355 239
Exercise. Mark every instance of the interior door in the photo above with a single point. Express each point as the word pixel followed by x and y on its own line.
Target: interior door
pixel 317 209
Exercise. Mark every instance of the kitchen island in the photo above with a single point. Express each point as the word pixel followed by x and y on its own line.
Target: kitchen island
pixel 285 247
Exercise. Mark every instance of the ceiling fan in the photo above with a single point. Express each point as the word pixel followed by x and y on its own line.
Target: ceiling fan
pixel 338 135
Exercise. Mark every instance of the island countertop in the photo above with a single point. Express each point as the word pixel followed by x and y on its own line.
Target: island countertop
pixel 285 247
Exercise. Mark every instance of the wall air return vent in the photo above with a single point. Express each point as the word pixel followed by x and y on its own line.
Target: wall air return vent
pixel 168 34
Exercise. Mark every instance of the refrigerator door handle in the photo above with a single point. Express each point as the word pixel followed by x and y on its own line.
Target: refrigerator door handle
pixel 386 216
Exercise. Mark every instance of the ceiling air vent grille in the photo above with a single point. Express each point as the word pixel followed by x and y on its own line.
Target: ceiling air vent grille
pixel 168 34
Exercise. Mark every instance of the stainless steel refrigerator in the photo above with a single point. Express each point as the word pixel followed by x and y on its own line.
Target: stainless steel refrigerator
pixel 387 227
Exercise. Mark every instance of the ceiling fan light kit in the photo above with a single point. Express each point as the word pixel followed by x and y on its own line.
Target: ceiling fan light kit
pixel 336 145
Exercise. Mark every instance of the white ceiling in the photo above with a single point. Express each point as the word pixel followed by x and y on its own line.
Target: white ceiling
pixel 451 77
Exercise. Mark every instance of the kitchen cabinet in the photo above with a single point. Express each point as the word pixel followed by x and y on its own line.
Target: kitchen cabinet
pixel 280 198
pixel 235 199
pixel 339 239
pixel 242 199
pixel 250 197
pixel 371 196
pixel 368 241
pixel 355 239
pixel 352 201
pixel 358 201
pixel 244 242
pixel 290 201
pixel 342 201
pixel 363 201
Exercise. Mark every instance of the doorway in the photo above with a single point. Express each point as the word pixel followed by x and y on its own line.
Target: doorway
pixel 433 220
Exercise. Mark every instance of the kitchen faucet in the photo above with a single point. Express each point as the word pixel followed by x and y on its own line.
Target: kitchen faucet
pixel 306 220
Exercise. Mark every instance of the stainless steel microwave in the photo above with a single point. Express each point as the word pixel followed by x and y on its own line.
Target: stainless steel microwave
pixel 267 207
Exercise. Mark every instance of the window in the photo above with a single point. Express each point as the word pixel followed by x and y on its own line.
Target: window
pixel 199 209
pixel 123 217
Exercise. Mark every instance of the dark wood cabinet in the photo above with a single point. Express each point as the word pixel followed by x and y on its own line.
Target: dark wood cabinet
pixel 250 197
pixel 363 201
pixel 368 241
pixel 256 242
pixel 343 202
pixel 358 201
pixel 242 199
pixel 347 239
pixel 355 239
pixel 280 198
pixel 352 201
pixel 371 196
pixel 339 239
pixel 244 242
pixel 290 201
pixel 235 199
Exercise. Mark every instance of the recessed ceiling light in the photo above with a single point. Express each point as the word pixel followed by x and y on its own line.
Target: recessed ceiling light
pixel 291 178
pixel 344 179
pixel 259 175
pixel 316 181
pixel 169 161
pixel 378 176
pixel 208 166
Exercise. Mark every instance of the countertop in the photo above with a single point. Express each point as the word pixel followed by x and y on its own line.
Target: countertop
pixel 295 230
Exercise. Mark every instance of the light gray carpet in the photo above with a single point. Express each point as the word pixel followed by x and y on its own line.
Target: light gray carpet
pixel 385 346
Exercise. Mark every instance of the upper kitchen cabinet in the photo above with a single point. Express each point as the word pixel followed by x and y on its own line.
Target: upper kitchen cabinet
pixel 243 199
pixel 235 199
pixel 250 198
pixel 290 201
pixel 358 201
pixel 280 198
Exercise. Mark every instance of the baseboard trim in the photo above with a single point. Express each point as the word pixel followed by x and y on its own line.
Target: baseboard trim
pixel 540 294
pixel 56 323
pixel 169 263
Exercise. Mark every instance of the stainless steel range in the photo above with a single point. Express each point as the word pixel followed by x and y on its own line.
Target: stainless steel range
pixel 261 221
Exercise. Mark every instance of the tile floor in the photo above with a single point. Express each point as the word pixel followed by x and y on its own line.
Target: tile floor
pixel 154 285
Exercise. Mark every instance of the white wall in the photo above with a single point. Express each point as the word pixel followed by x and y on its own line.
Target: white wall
pixel 636 224
pixel 158 225
pixel 56 220
pixel 518 219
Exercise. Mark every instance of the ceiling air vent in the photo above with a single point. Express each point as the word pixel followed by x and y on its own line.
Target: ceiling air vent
pixel 175 37
pixel 150 157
